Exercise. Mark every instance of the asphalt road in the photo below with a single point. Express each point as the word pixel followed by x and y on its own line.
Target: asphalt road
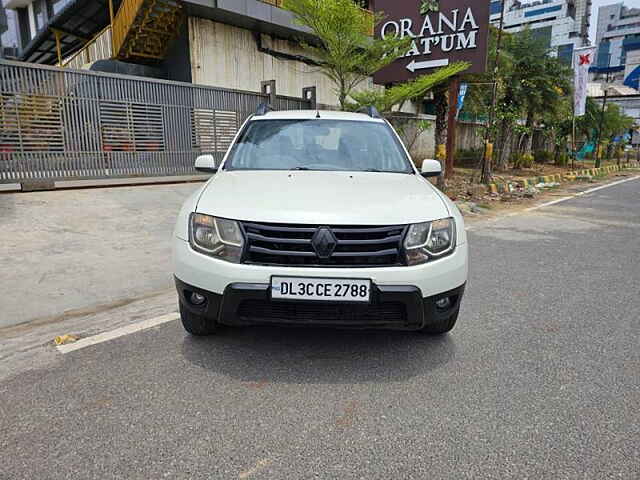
pixel 540 379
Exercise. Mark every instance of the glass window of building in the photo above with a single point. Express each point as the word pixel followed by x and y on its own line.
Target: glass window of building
pixel 8 34
pixel 58 5
pixel 39 14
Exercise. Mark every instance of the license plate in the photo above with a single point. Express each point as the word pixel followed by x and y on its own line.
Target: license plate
pixel 321 289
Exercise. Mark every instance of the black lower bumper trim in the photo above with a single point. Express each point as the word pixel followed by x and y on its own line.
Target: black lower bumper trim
pixel 391 307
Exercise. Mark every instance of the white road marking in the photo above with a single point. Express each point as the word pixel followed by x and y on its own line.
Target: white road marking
pixel 548 204
pixel 595 189
pixel 559 200
pixel 118 332
pixel 580 194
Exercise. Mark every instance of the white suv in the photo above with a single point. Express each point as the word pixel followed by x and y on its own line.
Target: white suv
pixel 319 219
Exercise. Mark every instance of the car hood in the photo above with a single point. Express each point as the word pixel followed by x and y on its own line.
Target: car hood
pixel 327 198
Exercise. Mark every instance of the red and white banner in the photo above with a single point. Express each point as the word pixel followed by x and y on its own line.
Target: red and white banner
pixel 583 58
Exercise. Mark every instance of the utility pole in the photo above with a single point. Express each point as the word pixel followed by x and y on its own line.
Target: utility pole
pixel 601 125
pixel 485 174
pixel 573 138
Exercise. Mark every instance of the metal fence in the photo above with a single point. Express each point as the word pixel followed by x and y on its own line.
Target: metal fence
pixel 58 124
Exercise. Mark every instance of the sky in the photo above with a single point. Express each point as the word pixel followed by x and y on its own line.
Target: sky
pixel 594 13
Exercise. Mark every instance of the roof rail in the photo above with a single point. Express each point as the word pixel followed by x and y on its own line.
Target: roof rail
pixel 263 109
pixel 371 111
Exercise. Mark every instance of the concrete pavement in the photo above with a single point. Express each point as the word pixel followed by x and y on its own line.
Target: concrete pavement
pixel 541 379
pixel 69 252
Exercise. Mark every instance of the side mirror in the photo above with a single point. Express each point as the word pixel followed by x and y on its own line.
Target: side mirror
pixel 431 168
pixel 206 163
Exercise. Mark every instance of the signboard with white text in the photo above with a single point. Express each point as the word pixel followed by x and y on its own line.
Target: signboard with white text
pixel 442 32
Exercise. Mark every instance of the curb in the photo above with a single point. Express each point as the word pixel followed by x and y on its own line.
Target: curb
pixel 571 176
pixel 50 185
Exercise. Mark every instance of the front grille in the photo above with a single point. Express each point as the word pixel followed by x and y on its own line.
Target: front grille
pixel 323 313
pixel 291 245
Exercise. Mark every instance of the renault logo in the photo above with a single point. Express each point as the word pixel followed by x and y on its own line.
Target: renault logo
pixel 324 242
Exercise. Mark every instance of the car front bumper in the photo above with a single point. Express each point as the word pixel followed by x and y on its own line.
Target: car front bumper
pixel 402 298
pixel 391 307
pixel 213 275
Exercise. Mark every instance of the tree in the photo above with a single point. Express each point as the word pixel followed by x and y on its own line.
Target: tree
pixel 393 98
pixel 396 96
pixel 541 82
pixel 479 97
pixel 345 51
pixel 533 87
pixel 613 123
pixel 557 126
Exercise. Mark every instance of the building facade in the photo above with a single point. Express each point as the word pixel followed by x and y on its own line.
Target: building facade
pixel 9 40
pixel 222 43
pixel 618 41
pixel 563 24
pixel 26 19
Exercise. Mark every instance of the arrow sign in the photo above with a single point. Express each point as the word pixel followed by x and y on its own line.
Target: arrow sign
pixel 413 66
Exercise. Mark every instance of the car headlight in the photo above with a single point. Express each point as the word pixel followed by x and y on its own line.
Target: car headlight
pixel 216 237
pixel 430 240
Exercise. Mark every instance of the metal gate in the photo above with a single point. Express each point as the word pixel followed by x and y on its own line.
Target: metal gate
pixel 59 124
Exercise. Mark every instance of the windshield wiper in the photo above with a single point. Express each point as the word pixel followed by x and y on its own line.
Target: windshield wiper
pixel 377 170
pixel 299 169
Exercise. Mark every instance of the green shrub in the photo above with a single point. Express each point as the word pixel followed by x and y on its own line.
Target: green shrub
pixel 543 156
pixel 527 160
pixel 562 160
pixel 524 160
pixel 468 157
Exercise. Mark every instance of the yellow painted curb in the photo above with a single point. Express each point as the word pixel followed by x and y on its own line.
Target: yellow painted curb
pixel 570 176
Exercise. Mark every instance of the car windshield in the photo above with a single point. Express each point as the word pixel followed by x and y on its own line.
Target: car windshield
pixel 330 145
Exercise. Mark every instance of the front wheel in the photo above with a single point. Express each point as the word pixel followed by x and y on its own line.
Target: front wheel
pixel 442 327
pixel 197 325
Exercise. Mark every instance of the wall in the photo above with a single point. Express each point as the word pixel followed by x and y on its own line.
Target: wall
pixel 176 65
pixel 425 146
pixel 469 136
pixel 96 55
pixel 227 56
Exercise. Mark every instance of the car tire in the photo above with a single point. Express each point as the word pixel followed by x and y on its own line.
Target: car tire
pixel 442 327
pixel 197 325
